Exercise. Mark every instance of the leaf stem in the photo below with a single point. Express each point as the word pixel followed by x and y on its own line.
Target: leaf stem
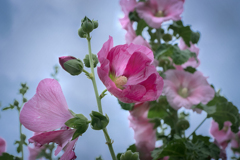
pixel 109 142
pixel 197 127
pixel 20 130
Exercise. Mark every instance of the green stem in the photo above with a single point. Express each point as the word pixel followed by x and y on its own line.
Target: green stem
pixel 159 36
pixel 109 143
pixel 197 127
pixel 20 130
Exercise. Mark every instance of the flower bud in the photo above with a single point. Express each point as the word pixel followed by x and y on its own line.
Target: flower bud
pixel 16 103
pixel 87 62
pixel 71 65
pixel 128 155
pixel 167 37
pixel 87 25
pixel 99 121
pixel 81 33
pixel 95 24
pixel 183 124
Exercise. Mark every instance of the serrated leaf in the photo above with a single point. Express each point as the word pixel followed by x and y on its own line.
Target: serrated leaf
pixel 225 111
pixel 126 106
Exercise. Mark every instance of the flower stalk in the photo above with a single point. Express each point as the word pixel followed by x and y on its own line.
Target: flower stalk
pixel 109 142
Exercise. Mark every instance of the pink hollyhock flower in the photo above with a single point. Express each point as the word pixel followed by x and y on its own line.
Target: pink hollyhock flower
pixel 144 134
pixel 184 89
pixel 2 146
pixel 131 37
pixel 223 136
pixel 192 61
pixel 34 152
pixel 128 73
pixel 155 12
pixel 127 7
pixel 235 141
pixel 45 112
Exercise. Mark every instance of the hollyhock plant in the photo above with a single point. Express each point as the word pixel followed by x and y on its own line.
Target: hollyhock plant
pixel 127 7
pixel 155 12
pixel 2 146
pixel 223 136
pixel 235 142
pixel 131 37
pixel 191 61
pixel 144 133
pixel 45 112
pixel 184 89
pixel 128 73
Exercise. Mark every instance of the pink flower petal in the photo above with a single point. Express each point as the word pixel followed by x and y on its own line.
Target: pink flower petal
pixel 103 53
pixel 69 153
pixel 3 146
pixel 47 110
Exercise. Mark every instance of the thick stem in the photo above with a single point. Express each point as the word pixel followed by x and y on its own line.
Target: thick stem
pixel 197 127
pixel 109 143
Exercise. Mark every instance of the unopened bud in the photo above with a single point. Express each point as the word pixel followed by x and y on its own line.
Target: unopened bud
pixel 87 25
pixel 167 37
pixel 95 24
pixel 16 103
pixel 183 124
pixel 128 155
pixel 99 121
pixel 71 65
pixel 81 33
pixel 87 62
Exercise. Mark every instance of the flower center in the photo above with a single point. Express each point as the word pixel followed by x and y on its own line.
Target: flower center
pixel 159 14
pixel 183 92
pixel 120 81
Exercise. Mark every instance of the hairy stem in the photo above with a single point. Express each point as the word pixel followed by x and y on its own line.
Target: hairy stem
pixel 109 143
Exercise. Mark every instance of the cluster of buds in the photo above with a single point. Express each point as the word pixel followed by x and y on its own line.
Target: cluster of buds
pixel 87 26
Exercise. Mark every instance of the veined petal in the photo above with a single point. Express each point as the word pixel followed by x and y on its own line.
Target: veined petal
pixel 69 153
pixel 47 110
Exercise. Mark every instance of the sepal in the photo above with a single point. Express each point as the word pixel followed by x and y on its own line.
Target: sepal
pixel 99 121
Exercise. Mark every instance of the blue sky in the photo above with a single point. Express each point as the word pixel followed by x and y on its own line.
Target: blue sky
pixel 33 34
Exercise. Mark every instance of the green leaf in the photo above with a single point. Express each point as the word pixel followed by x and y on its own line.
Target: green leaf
pixel 99 121
pixel 133 16
pixel 181 56
pixel 208 109
pixel 157 111
pixel 132 148
pixel 7 156
pixel 225 111
pixel 126 106
pixel 195 36
pixel 140 26
pixel 175 148
pixel 190 69
pixel 99 158
pixel 205 139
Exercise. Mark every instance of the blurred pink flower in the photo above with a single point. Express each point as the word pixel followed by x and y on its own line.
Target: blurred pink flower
pixel 184 89
pixel 128 72
pixel 34 152
pixel 131 37
pixel 144 134
pixel 191 61
pixel 235 142
pixel 127 7
pixel 155 12
pixel 2 146
pixel 223 136
pixel 45 112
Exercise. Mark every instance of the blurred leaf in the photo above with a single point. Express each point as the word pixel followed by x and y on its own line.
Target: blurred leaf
pixel 7 156
pixel 195 36
pixel 126 106
pixel 140 26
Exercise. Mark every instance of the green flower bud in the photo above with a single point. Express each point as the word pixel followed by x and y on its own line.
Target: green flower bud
pixel 167 37
pixel 164 61
pixel 183 124
pixel 71 65
pixel 24 100
pixel 128 155
pixel 81 33
pixel 80 123
pixel 87 62
pixel 95 24
pixel 99 121
pixel 15 103
pixel 87 25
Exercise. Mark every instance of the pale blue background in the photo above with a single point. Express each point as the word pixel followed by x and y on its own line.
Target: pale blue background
pixel 33 34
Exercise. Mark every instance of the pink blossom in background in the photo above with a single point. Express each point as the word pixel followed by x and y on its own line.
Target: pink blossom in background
pixel 45 112
pixel 192 61
pixel 144 134
pixel 127 7
pixel 223 136
pixel 184 89
pixel 235 142
pixel 128 72
pixel 34 152
pixel 2 146
pixel 131 37
pixel 155 12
